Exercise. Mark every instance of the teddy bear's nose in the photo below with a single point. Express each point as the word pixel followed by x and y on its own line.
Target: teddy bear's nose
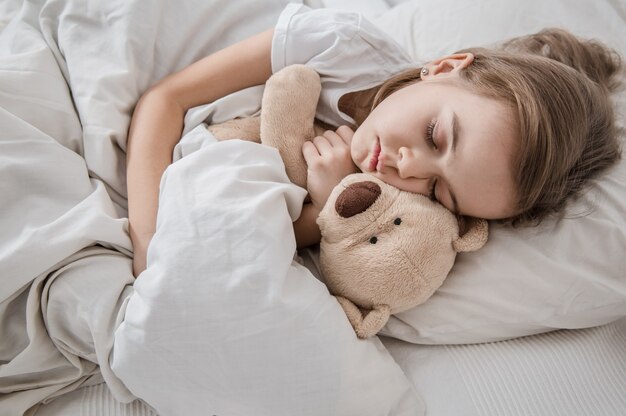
pixel 357 198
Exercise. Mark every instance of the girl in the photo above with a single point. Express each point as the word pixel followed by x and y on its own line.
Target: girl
pixel 508 134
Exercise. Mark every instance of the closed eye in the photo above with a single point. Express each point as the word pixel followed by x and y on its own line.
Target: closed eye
pixel 431 193
pixel 430 138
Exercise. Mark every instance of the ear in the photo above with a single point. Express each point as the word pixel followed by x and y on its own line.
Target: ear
pixel 369 325
pixel 448 66
pixel 475 236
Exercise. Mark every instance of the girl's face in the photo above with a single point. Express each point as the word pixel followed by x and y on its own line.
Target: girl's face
pixel 441 140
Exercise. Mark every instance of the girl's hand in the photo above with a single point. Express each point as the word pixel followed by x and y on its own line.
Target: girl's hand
pixel 328 162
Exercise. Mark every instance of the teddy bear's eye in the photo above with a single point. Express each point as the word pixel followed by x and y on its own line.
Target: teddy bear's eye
pixel 373 240
pixel 397 221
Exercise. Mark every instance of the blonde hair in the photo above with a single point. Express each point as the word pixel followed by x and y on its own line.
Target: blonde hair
pixel 559 87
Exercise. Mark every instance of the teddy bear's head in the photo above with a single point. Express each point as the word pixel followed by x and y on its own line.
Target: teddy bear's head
pixel 386 250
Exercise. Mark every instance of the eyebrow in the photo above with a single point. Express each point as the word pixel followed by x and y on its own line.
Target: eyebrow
pixel 455 140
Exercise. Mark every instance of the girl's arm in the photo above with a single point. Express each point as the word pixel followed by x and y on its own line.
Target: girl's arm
pixel 305 227
pixel 157 124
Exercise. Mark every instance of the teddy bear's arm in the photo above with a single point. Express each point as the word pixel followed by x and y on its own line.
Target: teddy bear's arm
pixel 288 114
pixel 239 128
pixel 369 325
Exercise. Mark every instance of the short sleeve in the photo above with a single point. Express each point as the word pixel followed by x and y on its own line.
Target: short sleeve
pixel 349 52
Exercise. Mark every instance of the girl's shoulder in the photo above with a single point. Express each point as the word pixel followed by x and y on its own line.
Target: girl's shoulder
pixel 349 52
pixel 303 34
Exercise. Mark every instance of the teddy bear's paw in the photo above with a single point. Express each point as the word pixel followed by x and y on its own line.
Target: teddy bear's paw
pixel 368 325
pixel 374 321
pixel 304 79
pixel 239 128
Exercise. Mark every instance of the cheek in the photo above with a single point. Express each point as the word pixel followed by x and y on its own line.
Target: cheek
pixel 358 145
pixel 412 185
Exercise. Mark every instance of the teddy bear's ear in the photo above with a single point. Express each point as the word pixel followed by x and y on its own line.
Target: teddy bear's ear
pixel 475 236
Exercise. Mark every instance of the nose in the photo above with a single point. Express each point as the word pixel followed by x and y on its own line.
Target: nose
pixel 357 198
pixel 412 163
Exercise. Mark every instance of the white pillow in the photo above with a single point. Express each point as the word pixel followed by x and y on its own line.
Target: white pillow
pixel 565 274
pixel 429 30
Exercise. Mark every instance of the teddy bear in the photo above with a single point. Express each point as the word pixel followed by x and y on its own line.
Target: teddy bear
pixel 382 250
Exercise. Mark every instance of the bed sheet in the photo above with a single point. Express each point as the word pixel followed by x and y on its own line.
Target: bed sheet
pixel 562 373
pixel 94 400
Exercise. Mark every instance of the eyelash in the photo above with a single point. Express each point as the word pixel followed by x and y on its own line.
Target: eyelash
pixel 431 193
pixel 430 129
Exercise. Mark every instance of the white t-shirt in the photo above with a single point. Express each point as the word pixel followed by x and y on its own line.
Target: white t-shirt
pixel 349 52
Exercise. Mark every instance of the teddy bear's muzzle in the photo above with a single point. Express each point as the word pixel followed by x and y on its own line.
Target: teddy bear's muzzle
pixel 357 198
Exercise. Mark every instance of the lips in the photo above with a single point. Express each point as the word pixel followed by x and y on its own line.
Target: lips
pixel 375 155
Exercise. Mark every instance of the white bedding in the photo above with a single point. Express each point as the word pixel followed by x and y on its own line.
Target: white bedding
pixel 223 320
pixel 65 256
pixel 564 373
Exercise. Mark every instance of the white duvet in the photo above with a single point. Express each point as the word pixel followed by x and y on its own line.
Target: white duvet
pixel 223 310
pixel 223 321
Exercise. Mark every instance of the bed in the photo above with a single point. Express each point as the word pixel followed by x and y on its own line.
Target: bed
pixel 533 324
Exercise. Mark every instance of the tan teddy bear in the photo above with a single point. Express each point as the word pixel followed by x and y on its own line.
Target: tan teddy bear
pixel 383 250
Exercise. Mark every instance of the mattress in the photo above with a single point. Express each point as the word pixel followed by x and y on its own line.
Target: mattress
pixel 567 372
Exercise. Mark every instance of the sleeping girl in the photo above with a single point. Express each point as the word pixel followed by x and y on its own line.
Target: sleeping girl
pixel 510 133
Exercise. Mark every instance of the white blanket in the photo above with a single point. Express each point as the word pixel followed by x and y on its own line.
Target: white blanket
pixel 224 320
pixel 64 248
pixel 222 304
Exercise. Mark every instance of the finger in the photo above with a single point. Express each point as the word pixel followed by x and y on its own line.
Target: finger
pixel 309 151
pixel 333 138
pixel 345 133
pixel 323 144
